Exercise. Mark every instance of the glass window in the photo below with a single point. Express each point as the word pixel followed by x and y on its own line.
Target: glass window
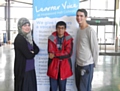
pixel 85 4
pixel 3 25
pixel 89 12
pixel 16 4
pixel 110 4
pixel 21 12
pixel 101 32
pixel 109 28
pixel 98 4
pixel 13 24
pixel 101 13
pixel 2 9
pixel 109 35
pixel 102 8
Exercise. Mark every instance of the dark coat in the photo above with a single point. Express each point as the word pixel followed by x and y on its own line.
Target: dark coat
pixel 22 53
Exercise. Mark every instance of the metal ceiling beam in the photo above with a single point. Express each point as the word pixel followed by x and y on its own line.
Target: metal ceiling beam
pixel 83 0
pixel 22 2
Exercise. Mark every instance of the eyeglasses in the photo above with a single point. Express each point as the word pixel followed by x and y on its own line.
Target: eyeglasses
pixel 62 28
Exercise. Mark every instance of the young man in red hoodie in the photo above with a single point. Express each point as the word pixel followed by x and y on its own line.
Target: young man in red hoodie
pixel 60 46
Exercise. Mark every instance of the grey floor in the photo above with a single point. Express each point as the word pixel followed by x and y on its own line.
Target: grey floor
pixel 106 75
pixel 6 68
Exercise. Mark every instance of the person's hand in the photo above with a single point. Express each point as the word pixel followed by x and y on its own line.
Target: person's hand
pixel 32 51
pixel 51 55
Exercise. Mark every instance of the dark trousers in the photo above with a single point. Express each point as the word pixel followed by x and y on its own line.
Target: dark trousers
pixel 55 83
pixel 83 77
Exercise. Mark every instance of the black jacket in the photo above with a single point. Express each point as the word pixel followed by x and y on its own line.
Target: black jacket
pixel 22 53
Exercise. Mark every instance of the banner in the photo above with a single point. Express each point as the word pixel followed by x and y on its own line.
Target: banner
pixel 46 14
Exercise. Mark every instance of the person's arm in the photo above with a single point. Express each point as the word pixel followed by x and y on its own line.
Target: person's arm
pixel 67 52
pixel 22 46
pixel 94 47
pixel 51 49
pixel 35 47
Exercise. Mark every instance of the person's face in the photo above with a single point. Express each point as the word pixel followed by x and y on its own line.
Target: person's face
pixel 80 17
pixel 60 30
pixel 26 28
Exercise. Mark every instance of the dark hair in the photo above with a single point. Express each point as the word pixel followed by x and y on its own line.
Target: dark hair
pixel 82 10
pixel 61 23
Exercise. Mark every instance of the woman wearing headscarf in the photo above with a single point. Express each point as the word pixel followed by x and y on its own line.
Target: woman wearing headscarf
pixel 25 51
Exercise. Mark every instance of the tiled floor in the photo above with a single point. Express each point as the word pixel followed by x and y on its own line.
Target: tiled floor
pixel 6 68
pixel 106 75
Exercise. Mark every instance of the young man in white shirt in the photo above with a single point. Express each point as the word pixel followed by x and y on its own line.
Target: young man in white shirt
pixel 87 52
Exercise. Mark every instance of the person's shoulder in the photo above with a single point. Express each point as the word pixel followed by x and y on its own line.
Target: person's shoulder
pixel 19 38
pixel 90 28
pixel 53 35
pixel 68 36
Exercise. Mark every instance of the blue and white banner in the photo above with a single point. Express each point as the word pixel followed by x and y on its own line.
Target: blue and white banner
pixel 54 8
pixel 46 14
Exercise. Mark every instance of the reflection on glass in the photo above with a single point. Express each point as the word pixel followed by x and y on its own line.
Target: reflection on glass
pixel 109 28
pixel 96 4
pixel 2 75
pixel 102 13
pixel 101 34
pixel 85 4
pixel 22 4
pixel 106 4
pixel 110 4
pixel 105 34
pixel 100 60
pixel 2 14
pixel 98 82
pixel 29 14
pixel 95 10
pixel 2 61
